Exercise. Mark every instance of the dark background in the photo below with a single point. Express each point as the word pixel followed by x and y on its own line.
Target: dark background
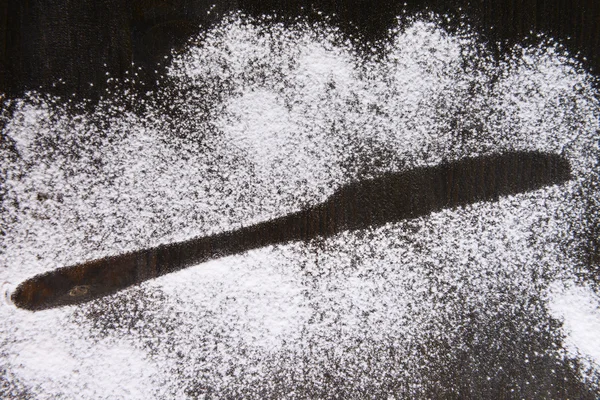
pixel 80 41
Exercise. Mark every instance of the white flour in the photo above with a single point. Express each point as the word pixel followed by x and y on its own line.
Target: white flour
pixel 262 120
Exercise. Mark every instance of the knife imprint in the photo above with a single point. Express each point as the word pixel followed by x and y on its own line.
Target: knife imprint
pixel 370 203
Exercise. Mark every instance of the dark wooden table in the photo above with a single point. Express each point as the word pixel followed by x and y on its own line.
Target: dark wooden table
pixel 81 41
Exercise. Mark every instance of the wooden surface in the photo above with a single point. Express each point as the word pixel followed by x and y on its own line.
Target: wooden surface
pixel 81 41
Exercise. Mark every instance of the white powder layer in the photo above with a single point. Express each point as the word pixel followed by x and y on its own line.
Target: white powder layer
pixel 579 308
pixel 259 120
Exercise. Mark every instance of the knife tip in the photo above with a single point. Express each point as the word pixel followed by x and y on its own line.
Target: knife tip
pixel 7 293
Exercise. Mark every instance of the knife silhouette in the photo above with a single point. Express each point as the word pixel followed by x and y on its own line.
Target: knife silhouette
pixel 370 203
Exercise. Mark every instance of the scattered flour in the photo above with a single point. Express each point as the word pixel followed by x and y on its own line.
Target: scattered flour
pixel 259 120
pixel 579 308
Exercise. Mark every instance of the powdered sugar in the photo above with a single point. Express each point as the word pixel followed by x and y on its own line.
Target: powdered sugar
pixel 259 120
